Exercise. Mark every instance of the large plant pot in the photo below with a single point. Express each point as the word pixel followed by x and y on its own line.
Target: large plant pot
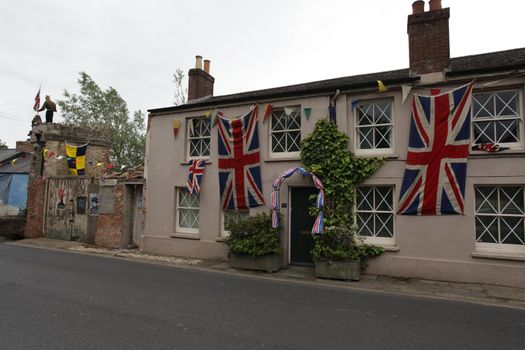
pixel 268 263
pixel 338 270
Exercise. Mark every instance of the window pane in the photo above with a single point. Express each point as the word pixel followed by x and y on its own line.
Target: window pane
pixel 484 132
pixel 366 138
pixel 483 105
pixel 383 136
pixel 383 112
pixel 384 224
pixel 511 198
pixel 365 199
pixel 511 230
pixel 507 104
pixel 487 229
pixel 486 200
pixel 384 198
pixel 507 131
pixel 365 221
pixel 365 115
pixel 293 140
pixel 278 142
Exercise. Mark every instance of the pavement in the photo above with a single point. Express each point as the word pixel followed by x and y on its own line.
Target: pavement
pixel 485 294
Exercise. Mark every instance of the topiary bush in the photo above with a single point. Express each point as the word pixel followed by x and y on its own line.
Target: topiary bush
pixel 254 236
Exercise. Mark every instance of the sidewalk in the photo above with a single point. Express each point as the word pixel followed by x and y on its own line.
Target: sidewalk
pixel 464 292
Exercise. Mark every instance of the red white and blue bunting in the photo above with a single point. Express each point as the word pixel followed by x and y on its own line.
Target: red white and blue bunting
pixel 318 225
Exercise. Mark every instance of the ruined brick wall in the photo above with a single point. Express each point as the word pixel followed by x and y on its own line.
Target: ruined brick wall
pixel 12 227
pixel 35 208
pixel 109 225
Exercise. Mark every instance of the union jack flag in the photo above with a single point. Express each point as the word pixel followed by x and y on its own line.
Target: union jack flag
pixel 195 175
pixel 436 166
pixel 239 161
pixel 36 106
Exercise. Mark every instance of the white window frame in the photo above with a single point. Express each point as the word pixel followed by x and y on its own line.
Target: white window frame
pixel 381 241
pixel 178 228
pixel 224 232
pixel 374 151
pixel 193 137
pixel 504 248
pixel 493 119
pixel 286 154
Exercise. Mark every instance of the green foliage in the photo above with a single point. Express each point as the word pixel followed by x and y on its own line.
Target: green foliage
pixel 3 145
pixel 254 236
pixel 342 244
pixel 98 108
pixel 325 153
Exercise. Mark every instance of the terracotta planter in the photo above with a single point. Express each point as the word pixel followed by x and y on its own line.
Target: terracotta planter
pixel 338 270
pixel 268 263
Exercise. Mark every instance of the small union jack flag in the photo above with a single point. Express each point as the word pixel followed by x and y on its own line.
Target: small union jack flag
pixel 36 106
pixel 195 175
pixel 239 161
pixel 436 166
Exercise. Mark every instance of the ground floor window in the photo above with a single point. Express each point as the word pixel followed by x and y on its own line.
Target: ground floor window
pixel 374 214
pixel 187 211
pixel 499 216
pixel 229 216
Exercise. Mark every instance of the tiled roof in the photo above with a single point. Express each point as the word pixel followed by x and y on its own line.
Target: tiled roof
pixel 487 62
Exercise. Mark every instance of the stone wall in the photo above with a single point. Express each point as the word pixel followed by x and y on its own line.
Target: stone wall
pixel 109 223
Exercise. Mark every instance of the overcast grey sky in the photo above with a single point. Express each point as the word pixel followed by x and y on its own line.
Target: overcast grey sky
pixel 135 46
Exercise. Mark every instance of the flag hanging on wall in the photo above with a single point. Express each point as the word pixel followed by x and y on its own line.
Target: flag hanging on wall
pixel 436 166
pixel 76 159
pixel 239 162
pixel 195 173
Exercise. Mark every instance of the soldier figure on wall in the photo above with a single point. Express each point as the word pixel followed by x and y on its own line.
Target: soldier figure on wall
pixel 50 108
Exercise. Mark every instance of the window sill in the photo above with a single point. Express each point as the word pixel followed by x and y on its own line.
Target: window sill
pixel 386 155
pixel 291 159
pixel 207 161
pixel 194 236
pixel 220 239
pixel 518 152
pixel 499 255
pixel 390 248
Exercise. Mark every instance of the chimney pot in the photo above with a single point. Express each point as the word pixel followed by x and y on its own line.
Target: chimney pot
pixel 207 66
pixel 418 7
pixel 435 5
pixel 198 62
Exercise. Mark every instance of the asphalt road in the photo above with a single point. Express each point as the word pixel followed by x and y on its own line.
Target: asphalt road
pixel 60 300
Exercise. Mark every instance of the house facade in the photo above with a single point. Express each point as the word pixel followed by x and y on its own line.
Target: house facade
pixel 485 244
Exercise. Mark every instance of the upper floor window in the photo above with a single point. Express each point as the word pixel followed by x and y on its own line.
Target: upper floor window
pixel 199 133
pixel 496 118
pixel 499 216
pixel 285 132
pixel 374 212
pixel 374 126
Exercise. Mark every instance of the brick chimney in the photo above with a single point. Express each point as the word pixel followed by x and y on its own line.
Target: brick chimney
pixel 200 82
pixel 428 38
pixel 24 146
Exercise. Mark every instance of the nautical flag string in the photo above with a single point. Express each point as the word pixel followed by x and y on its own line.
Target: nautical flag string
pixel 436 166
pixel 318 224
pixel 195 173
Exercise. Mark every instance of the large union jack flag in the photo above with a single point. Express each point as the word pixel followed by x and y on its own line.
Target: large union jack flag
pixel 239 161
pixel 436 167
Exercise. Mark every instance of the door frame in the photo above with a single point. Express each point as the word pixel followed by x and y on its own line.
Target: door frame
pixel 289 217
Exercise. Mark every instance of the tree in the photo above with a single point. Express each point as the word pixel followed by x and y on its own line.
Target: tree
pixel 180 93
pixel 3 145
pixel 95 107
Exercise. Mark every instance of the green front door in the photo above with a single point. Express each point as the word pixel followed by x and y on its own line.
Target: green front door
pixel 301 241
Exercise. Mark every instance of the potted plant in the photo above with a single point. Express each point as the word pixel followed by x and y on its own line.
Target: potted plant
pixel 339 253
pixel 254 244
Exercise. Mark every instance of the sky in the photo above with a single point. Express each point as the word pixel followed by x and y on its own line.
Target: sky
pixel 136 46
